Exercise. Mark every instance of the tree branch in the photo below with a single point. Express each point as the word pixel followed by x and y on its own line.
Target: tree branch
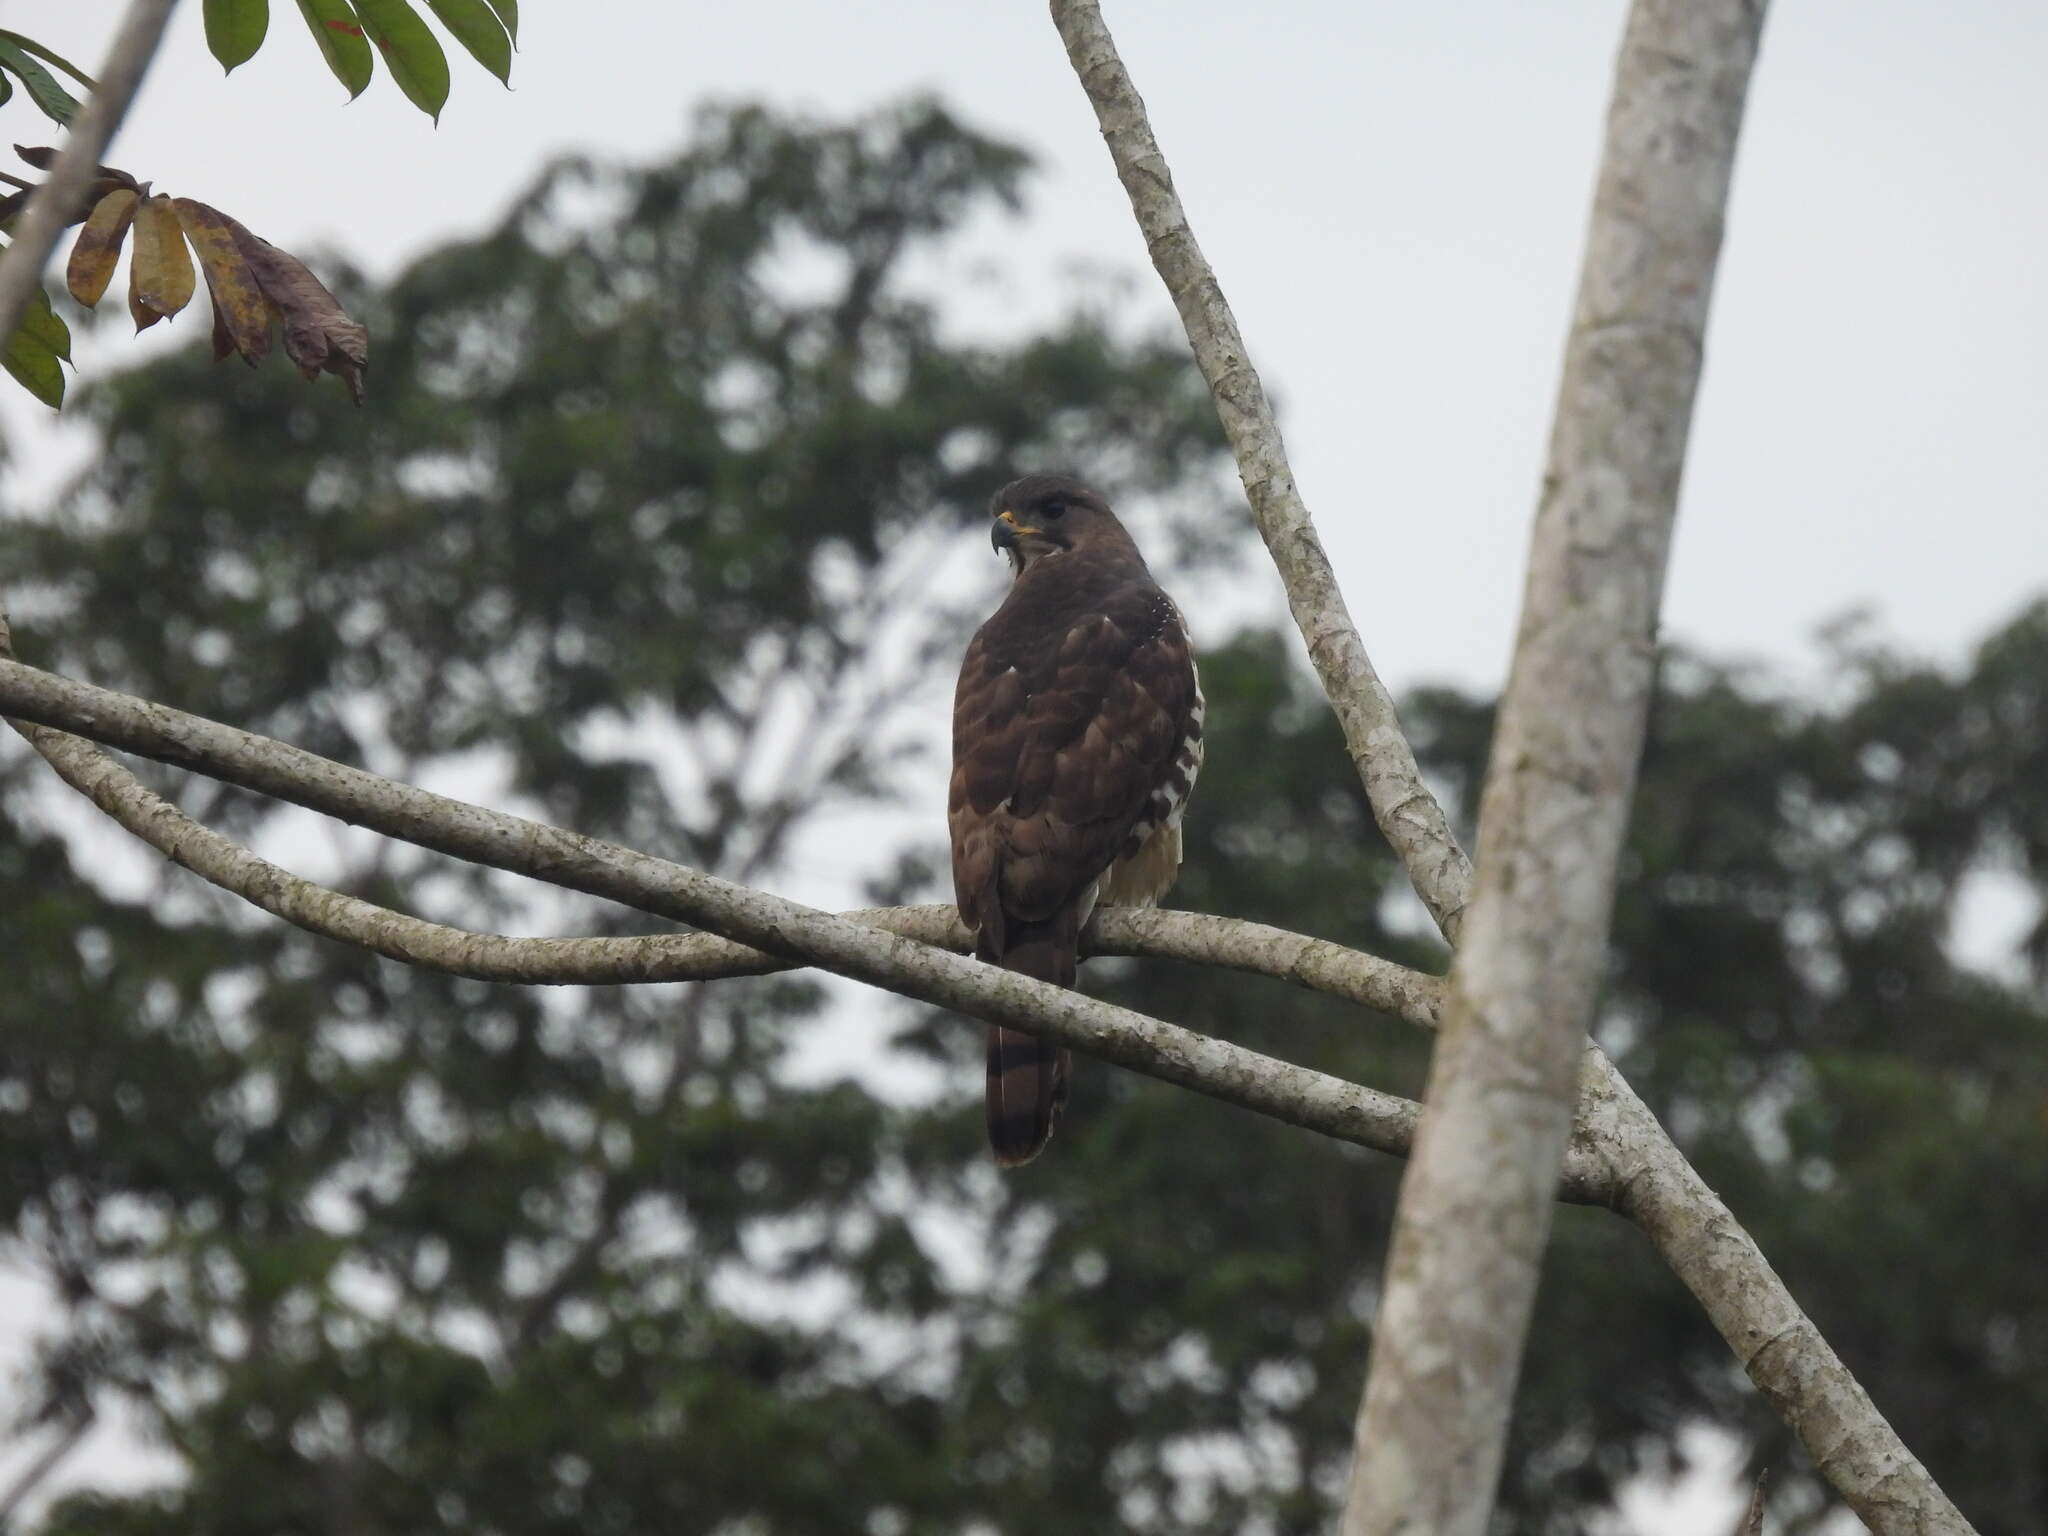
pixel 1851 1443
pixel 1475 1205
pixel 1407 813
pixel 794 933
pixel 68 1439
pixel 1315 964
pixel 50 208
pixel 1619 1156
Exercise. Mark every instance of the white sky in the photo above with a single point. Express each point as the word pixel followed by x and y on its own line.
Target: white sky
pixel 1393 197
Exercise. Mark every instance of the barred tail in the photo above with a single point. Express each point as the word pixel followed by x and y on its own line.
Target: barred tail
pixel 1027 1077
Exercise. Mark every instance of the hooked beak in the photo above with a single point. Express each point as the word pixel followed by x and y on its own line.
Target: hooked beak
pixel 1007 530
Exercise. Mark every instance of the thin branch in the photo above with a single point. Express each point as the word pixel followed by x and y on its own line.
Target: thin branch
pixel 1852 1445
pixel 51 1457
pixel 43 219
pixel 1316 964
pixel 1407 813
pixel 1752 1521
pixel 799 934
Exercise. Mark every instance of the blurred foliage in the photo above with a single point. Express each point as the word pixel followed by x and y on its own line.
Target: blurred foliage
pixel 647 531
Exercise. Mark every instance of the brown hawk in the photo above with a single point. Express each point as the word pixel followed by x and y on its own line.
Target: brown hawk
pixel 1077 734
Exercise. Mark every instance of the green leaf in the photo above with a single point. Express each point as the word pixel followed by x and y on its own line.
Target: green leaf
pixel 410 50
pixel 30 45
pixel 6 89
pixel 36 369
pixel 508 13
pixel 235 28
pixel 34 351
pixel 339 32
pixel 43 323
pixel 57 103
pixel 473 24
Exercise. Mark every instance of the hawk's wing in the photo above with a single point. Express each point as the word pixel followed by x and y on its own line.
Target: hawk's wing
pixel 1069 737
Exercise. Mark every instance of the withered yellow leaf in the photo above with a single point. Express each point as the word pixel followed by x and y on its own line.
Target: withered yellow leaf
pixel 240 309
pixel 160 280
pixel 318 333
pixel 223 338
pixel 143 316
pixel 98 249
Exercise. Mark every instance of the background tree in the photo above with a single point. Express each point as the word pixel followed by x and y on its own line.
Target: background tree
pixel 624 514
pixel 639 531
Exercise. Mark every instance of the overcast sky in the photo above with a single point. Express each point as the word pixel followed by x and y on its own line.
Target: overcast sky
pixel 1393 197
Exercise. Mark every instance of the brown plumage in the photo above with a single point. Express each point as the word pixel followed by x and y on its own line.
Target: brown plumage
pixel 1077 735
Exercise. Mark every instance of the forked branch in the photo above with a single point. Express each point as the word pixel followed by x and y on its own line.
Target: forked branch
pixel 1851 1443
pixel 1619 1156
pixel 1233 943
pixel 793 933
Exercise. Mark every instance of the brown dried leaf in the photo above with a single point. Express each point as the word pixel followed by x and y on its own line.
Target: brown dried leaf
pixel 143 316
pixel 98 248
pixel 223 338
pixel 160 273
pixel 240 309
pixel 318 334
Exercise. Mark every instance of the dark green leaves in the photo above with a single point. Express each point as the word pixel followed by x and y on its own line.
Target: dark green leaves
pixel 345 29
pixel 410 50
pixel 508 13
pixel 36 352
pixel 476 26
pixel 18 57
pixel 338 31
pixel 235 28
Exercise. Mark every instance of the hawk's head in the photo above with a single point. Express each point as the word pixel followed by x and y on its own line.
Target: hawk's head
pixel 1041 516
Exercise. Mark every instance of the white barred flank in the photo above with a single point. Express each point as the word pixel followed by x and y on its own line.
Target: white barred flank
pixel 1149 860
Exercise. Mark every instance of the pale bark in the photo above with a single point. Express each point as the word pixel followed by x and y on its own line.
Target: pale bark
pixel 1232 943
pixel 1407 813
pixel 799 934
pixel 1475 1205
pixel 1851 1443
pixel 49 207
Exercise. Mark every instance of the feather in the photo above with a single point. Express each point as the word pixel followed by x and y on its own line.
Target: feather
pixel 1077 729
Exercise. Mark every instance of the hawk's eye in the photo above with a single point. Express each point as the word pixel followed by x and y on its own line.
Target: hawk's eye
pixel 1055 509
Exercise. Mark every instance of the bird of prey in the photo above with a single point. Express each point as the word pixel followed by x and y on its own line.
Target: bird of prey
pixel 1077 734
